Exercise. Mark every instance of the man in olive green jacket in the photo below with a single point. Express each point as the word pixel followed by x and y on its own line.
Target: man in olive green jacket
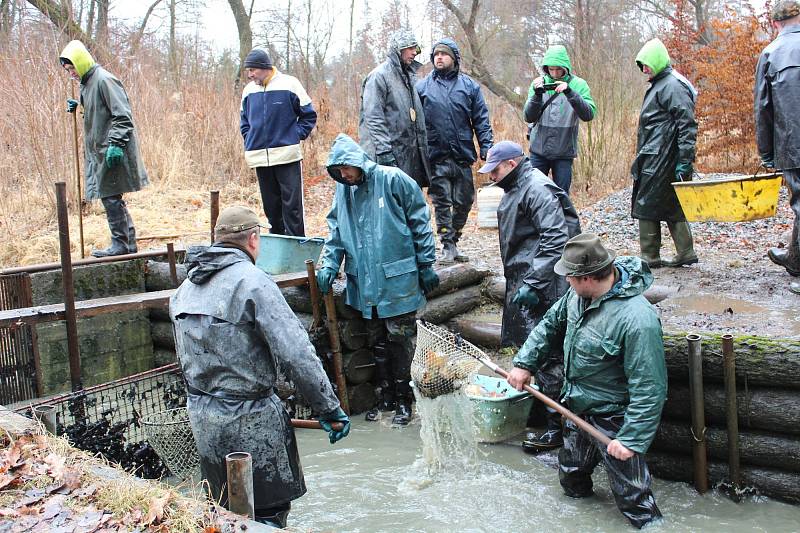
pixel 615 376
pixel 112 162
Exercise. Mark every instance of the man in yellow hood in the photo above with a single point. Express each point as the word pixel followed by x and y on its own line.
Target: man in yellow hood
pixel 112 161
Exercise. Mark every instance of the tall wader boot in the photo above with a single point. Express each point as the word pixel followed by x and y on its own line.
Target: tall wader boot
pixel 684 244
pixel 552 438
pixel 650 242
pixel 117 217
pixel 132 247
pixel 274 516
pixel 789 258
pixel 401 368
pixel 384 389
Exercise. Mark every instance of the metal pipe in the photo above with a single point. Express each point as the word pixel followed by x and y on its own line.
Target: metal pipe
pixel 314 292
pixel 69 289
pixel 173 270
pixel 46 414
pixel 44 267
pixel 77 167
pixel 699 453
pixel 336 348
pixel 214 212
pixel 731 414
pixel 239 466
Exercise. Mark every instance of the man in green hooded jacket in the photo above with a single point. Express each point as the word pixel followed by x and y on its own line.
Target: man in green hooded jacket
pixel 665 151
pixel 557 100
pixel 112 162
pixel 615 376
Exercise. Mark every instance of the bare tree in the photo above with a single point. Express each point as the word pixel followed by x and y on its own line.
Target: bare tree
pixel 242 17
pixel 7 17
pixel 61 19
pixel 666 10
pixel 101 32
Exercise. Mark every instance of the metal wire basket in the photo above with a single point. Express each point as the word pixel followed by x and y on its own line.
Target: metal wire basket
pixel 170 435
pixel 443 361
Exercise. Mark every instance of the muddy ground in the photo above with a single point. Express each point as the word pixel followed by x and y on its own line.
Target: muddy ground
pixel 733 289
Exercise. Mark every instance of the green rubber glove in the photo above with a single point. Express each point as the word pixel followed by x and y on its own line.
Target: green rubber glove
pixel 72 105
pixel 526 297
pixel 428 279
pixel 325 277
pixel 337 415
pixel 684 172
pixel 113 155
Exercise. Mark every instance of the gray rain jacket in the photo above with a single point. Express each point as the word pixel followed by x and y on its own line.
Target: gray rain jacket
pixel 535 220
pixel 777 100
pixel 232 330
pixel 387 123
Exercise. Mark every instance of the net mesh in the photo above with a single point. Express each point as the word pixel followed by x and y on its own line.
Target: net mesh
pixel 443 361
pixel 170 435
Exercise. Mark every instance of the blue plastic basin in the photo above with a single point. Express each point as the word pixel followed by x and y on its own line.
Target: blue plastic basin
pixel 280 254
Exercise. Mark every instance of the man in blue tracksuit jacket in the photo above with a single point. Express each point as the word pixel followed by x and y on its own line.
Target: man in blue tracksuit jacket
pixel 276 115
pixel 454 111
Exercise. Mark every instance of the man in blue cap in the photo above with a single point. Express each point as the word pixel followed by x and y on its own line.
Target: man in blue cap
pixel 536 219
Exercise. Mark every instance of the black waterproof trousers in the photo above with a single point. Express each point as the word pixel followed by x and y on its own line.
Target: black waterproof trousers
pixel 399 336
pixel 629 480
pixel 452 193
pixel 282 195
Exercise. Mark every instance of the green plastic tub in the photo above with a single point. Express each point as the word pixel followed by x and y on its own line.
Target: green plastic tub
pixel 280 254
pixel 498 418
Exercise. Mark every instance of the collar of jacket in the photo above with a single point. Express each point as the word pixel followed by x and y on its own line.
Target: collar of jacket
pixel 89 73
pixel 511 179
pixel 448 75
pixel 661 74
pixel 270 78
pixel 237 247
pixel 794 28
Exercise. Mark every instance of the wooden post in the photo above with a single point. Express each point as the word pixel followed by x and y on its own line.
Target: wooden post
pixel 699 454
pixel 239 466
pixel 77 167
pixel 731 415
pixel 336 348
pixel 69 290
pixel 214 212
pixel 173 269
pixel 314 292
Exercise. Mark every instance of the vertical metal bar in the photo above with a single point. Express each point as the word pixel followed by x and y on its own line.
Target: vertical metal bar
pixel 69 289
pixel 336 348
pixel 77 167
pixel 173 270
pixel 214 212
pixel 239 466
pixel 33 336
pixel 46 414
pixel 699 454
pixel 316 312
pixel 731 414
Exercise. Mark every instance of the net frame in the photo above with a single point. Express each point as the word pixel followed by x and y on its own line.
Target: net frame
pixel 443 362
pixel 170 435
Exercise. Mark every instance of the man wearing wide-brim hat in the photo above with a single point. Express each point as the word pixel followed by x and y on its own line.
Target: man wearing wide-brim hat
pixel 614 371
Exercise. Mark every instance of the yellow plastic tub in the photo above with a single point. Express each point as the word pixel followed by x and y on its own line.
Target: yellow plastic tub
pixel 735 199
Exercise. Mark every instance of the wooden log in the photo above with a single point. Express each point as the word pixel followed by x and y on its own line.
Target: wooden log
pixel 362 398
pixel 353 333
pixel 299 299
pixel 445 307
pixel 760 361
pixel 157 276
pixel 757 448
pixel 770 482
pixel 163 335
pixel 495 289
pixel 457 276
pixel 359 366
pixel 775 410
pixel 482 334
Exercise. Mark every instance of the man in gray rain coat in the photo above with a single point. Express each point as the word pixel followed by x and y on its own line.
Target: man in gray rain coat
pixel 380 227
pixel 233 329
pixel 112 162
pixel 535 220
pixel 391 127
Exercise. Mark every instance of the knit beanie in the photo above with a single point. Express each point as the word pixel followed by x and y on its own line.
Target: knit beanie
pixel 258 58
pixel 445 49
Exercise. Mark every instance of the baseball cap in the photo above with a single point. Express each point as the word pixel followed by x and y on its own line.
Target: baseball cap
pixel 502 151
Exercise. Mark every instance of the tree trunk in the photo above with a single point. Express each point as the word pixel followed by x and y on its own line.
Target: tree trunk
pixel 102 23
pixel 52 10
pixel 361 397
pixel 457 276
pixel 755 448
pixel 495 289
pixel 90 19
pixel 6 20
pixel 173 52
pixel 445 307
pixel 359 366
pixel 244 29
pixel 137 38
pixel 163 335
pixel 483 334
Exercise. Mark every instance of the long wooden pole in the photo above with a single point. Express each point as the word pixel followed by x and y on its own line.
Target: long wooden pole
pixel 336 348
pixel 77 168
pixel 699 452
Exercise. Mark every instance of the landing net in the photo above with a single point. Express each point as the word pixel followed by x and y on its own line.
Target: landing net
pixel 170 435
pixel 443 361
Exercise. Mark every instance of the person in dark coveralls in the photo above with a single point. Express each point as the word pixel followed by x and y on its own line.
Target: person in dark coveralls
pixel 380 227
pixel 777 112
pixel 535 220
pixel 665 151
pixel 233 329
pixel 615 376
pixel 454 111
pixel 111 156
pixel 391 126
pixel 276 115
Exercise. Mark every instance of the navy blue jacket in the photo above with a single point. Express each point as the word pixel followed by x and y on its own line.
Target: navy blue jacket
pixel 454 109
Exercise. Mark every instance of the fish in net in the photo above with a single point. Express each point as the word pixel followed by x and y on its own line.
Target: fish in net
pixel 443 362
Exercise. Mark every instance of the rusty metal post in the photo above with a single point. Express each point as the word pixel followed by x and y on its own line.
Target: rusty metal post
pixel 313 289
pixel 77 167
pixel 69 289
pixel 336 348
pixel 173 269
pixel 731 415
pixel 699 454
pixel 46 414
pixel 214 212
pixel 239 466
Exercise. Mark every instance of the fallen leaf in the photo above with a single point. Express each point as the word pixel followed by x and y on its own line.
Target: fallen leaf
pixel 57 465
pixel 156 509
pixel 72 480
pixel 6 480
pixel 6 512
pixel 90 521
pixel 11 457
pixel 85 492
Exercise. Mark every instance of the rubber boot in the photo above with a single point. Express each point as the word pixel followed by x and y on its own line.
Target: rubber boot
pixel 384 389
pixel 650 242
pixel 132 247
pixel 684 245
pixel 788 258
pixel 459 257
pixel 117 217
pixel 449 252
pixel 401 367
pixel 550 439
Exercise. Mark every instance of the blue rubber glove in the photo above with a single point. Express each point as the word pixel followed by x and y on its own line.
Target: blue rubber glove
pixel 526 297
pixel 337 415
pixel 113 155
pixel 428 278
pixel 684 172
pixel 325 277
pixel 72 105
pixel 387 160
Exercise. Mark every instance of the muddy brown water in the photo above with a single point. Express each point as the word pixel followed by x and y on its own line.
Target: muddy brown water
pixel 378 480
